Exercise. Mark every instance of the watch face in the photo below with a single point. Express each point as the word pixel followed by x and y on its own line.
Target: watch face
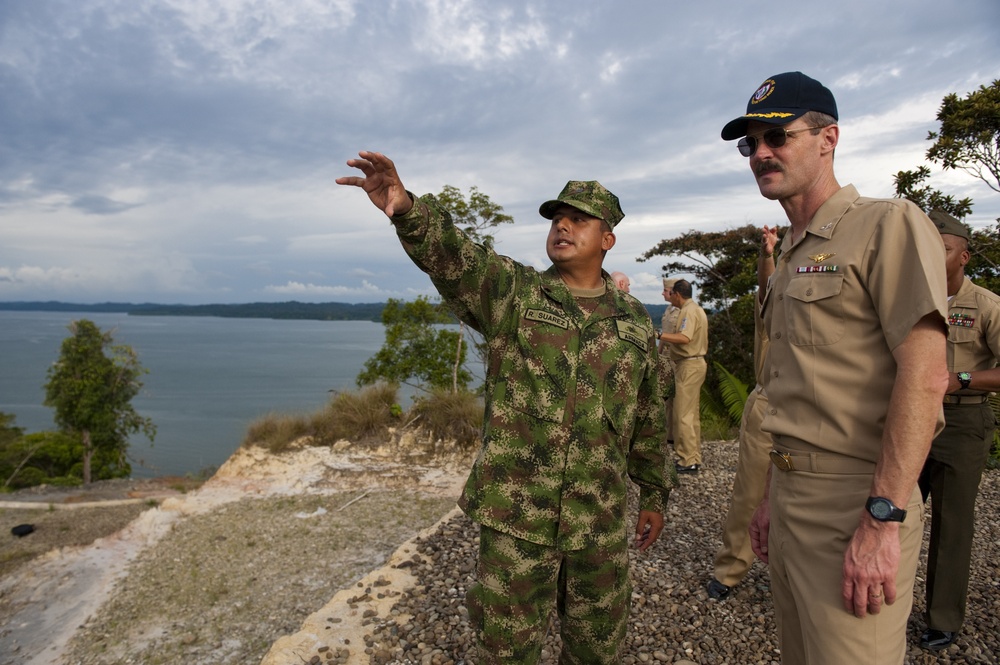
pixel 880 509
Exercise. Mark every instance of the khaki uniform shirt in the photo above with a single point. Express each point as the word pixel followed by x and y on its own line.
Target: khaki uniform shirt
pixel 573 406
pixel 841 299
pixel 693 324
pixel 669 318
pixel 973 331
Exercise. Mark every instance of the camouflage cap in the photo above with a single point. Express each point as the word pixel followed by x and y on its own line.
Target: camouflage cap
pixel 945 223
pixel 587 196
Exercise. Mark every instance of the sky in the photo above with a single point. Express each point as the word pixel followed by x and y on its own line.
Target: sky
pixel 185 151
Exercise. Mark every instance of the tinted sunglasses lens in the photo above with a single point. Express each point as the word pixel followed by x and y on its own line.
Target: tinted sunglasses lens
pixel 747 146
pixel 775 138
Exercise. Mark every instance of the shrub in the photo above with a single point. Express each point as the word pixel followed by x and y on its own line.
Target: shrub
pixel 357 416
pixel 277 432
pixel 449 416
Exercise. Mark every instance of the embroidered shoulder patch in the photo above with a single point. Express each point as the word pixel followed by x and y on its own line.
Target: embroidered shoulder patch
pixel 547 317
pixel 632 333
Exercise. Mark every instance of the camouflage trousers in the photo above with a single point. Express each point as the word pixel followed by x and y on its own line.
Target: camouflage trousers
pixel 519 583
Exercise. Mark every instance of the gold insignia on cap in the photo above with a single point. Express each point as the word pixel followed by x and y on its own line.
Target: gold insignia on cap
pixel 819 258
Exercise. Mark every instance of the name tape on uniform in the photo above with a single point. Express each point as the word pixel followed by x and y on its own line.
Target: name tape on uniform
pixel 547 317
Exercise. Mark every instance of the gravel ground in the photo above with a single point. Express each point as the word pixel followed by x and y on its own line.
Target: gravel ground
pixel 672 618
pixel 225 584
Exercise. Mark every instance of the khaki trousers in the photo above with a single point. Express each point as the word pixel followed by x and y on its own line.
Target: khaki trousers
pixel 735 557
pixel 813 516
pixel 688 377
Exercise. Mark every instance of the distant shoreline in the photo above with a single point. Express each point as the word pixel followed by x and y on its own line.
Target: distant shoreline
pixel 289 310
pixel 331 311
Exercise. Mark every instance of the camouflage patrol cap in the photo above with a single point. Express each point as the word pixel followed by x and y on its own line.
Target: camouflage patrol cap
pixel 945 223
pixel 587 196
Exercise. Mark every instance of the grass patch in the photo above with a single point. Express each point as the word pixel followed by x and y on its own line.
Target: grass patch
pixel 448 416
pixel 368 415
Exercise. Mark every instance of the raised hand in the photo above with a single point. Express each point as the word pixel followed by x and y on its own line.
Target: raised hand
pixel 381 183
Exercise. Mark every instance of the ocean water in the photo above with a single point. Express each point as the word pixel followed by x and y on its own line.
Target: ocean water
pixel 209 378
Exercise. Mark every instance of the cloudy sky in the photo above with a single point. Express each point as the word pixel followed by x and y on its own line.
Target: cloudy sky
pixel 184 151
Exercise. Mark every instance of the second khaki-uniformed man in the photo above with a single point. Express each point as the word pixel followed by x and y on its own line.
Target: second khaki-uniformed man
pixel 687 344
pixel 953 469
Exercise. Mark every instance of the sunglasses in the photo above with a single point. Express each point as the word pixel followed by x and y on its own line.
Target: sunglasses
pixel 774 138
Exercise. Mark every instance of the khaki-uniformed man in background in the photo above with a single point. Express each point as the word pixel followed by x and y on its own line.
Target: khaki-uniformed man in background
pixel 667 323
pixel 734 558
pixel 687 344
pixel 958 455
pixel 855 314
pixel 573 409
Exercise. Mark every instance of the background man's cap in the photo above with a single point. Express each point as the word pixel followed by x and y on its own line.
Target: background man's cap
pixel 587 196
pixel 668 282
pixel 780 100
pixel 945 223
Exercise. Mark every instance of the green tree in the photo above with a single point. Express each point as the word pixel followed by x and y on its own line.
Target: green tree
pixel 724 265
pixel 476 215
pixel 91 392
pixel 418 347
pixel 909 185
pixel 969 137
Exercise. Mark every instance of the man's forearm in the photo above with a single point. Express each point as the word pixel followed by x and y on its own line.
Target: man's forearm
pixel 921 380
pixel 674 338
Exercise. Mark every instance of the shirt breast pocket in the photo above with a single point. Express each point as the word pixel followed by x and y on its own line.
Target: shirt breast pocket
pixel 814 310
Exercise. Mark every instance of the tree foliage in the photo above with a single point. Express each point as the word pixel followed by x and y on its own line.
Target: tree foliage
pixel 984 245
pixel 476 216
pixel 418 347
pixel 724 265
pixel 91 387
pixel 909 185
pixel 969 137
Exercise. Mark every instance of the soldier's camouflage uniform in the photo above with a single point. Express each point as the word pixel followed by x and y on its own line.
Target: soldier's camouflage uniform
pixel 572 406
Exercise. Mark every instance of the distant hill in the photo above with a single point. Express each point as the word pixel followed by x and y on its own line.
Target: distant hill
pixel 331 311
pixel 328 311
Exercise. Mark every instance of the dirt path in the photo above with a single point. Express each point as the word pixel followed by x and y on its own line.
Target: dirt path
pixel 45 603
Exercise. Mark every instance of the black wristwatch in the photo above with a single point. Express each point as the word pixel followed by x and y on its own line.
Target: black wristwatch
pixel 964 378
pixel 884 510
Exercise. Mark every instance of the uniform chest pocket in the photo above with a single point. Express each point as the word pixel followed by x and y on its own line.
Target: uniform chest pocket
pixel 814 309
pixel 962 335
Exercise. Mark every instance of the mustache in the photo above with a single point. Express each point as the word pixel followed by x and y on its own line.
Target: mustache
pixel 768 167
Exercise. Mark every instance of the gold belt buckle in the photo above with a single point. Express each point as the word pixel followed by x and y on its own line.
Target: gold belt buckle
pixel 782 460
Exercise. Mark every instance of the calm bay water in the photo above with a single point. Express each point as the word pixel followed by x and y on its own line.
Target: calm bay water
pixel 209 378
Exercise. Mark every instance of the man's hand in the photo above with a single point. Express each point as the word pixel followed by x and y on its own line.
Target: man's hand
pixel 647 529
pixel 381 183
pixel 760 526
pixel 768 240
pixel 870 565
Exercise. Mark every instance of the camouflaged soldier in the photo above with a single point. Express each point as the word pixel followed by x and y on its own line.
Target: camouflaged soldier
pixel 572 408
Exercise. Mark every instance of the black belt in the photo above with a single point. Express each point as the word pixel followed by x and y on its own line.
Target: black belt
pixel 965 399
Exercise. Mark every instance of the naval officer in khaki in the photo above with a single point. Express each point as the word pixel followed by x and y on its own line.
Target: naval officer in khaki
pixel 734 558
pixel 958 455
pixel 687 345
pixel 855 314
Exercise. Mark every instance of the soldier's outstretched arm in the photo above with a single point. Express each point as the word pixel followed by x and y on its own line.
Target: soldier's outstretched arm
pixel 381 183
